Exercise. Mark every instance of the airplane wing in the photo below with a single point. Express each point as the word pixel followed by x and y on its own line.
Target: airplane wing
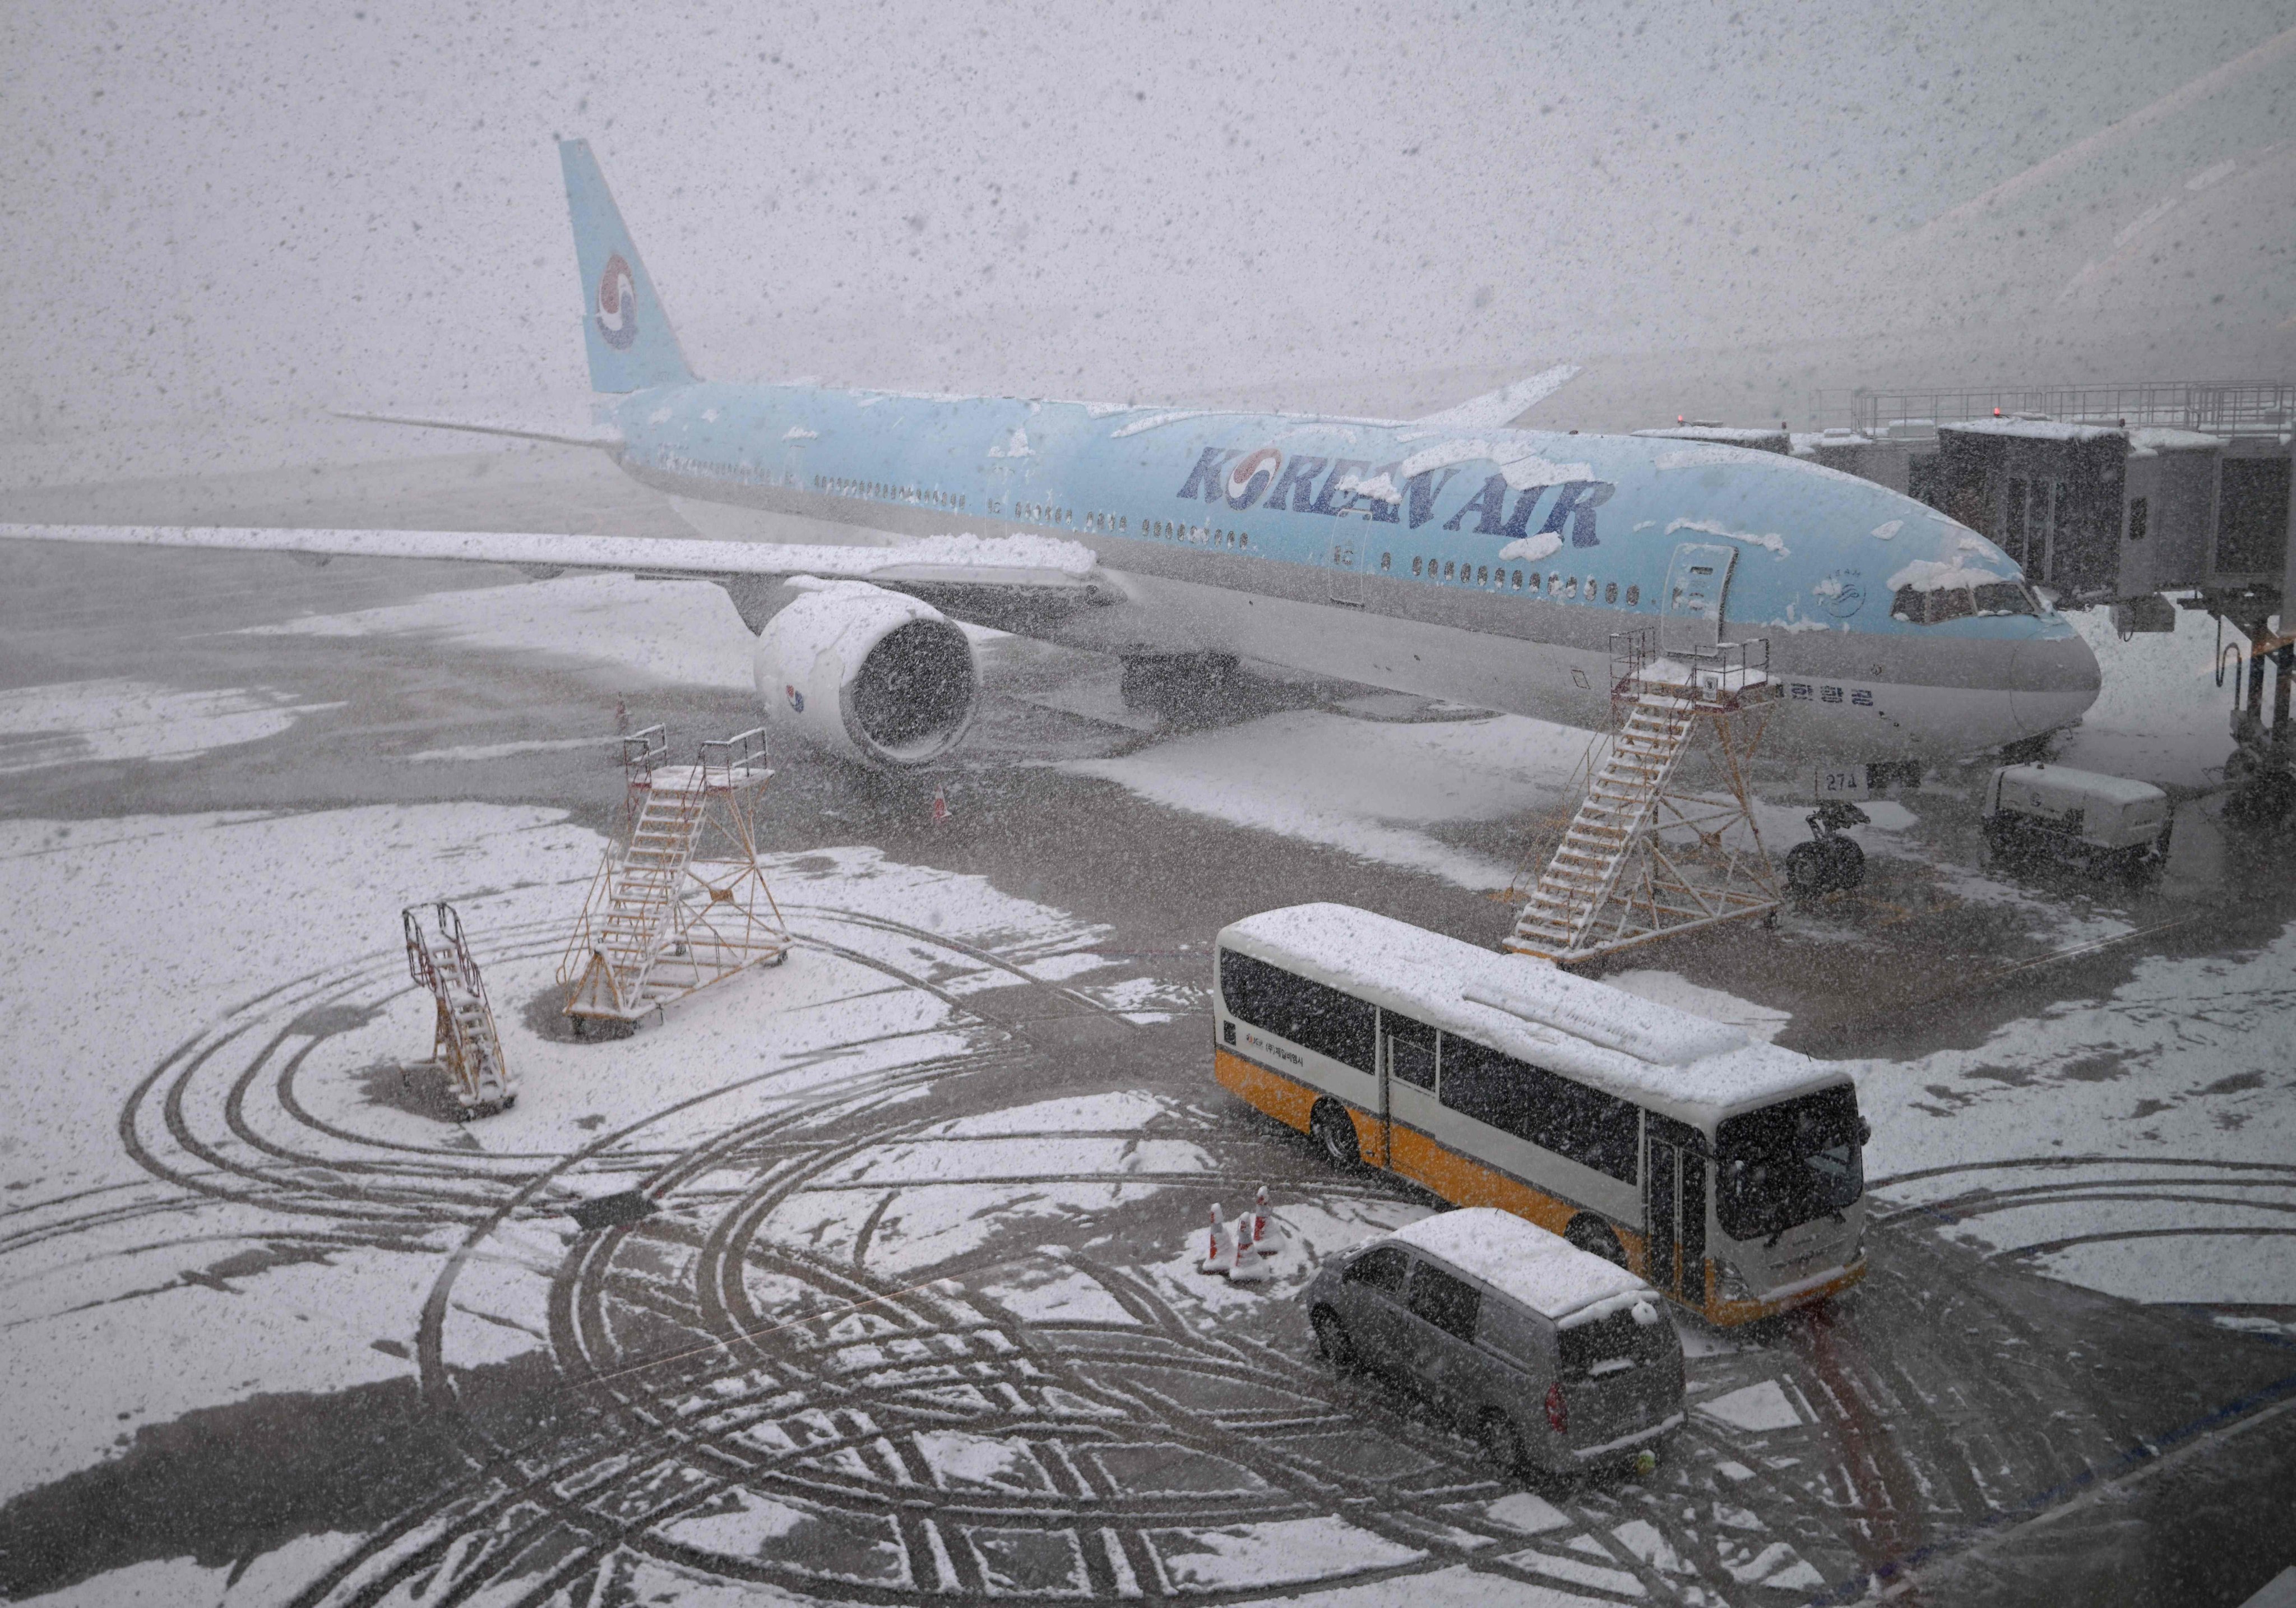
pixel 986 580
pixel 1498 409
pixel 571 430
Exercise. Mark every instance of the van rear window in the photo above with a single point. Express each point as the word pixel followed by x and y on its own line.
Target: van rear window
pixel 1611 1344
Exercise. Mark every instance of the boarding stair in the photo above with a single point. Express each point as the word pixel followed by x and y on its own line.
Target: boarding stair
pixel 679 901
pixel 1620 802
pixel 464 1045
pixel 1662 837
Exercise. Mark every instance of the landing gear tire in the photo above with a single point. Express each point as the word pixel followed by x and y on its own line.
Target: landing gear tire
pixel 1332 1340
pixel 1331 1127
pixel 1502 1447
pixel 1592 1234
pixel 1823 866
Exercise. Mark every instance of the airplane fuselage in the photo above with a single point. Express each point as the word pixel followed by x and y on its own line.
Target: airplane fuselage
pixel 1491 567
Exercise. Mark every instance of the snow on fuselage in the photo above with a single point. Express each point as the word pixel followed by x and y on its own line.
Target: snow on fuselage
pixel 1491 567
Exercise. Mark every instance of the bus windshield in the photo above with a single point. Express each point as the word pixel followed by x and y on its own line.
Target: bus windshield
pixel 1788 1164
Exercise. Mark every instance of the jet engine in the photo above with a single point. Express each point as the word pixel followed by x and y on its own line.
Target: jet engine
pixel 868 674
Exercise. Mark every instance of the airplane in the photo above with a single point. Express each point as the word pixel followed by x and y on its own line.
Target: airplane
pixel 1449 556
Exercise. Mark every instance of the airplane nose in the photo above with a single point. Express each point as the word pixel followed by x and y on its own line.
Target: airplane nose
pixel 2052 682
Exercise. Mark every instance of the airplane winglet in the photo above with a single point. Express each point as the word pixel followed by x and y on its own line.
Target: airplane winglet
pixel 1498 409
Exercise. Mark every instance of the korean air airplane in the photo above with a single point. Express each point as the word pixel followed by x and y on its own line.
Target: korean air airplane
pixel 1447 556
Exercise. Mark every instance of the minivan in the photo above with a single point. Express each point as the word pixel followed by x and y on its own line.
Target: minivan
pixel 1558 1359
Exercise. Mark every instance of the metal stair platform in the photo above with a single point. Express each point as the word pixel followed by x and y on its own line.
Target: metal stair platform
pixel 679 901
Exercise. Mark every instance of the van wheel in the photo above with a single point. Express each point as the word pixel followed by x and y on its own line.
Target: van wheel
pixel 1332 1340
pixel 1592 1234
pixel 1502 1447
pixel 1330 1127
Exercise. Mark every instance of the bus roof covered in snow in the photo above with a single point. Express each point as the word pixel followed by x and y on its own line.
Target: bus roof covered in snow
pixel 1679 1064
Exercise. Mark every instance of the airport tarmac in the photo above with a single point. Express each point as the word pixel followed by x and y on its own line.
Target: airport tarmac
pixel 916 1314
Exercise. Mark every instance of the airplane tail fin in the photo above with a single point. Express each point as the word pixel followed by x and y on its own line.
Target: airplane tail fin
pixel 624 324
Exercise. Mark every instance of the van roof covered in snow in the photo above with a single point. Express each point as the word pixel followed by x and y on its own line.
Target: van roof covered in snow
pixel 2088 783
pixel 1543 1271
pixel 1678 1063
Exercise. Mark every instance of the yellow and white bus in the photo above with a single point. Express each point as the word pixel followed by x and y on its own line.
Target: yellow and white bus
pixel 1728 1173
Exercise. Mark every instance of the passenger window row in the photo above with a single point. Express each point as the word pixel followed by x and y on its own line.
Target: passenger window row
pixel 1555 586
pixel 1558 1114
pixel 837 486
pixel 1201 536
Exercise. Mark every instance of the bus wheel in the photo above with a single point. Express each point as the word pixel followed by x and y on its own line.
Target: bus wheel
pixel 1330 1127
pixel 1332 1340
pixel 1502 1447
pixel 1591 1233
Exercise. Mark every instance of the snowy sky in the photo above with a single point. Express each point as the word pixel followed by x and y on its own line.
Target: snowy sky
pixel 257 210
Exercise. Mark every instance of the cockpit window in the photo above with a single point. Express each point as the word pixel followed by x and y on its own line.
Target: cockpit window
pixel 1990 599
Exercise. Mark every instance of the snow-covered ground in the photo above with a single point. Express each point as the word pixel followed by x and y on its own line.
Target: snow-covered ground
pixel 76 722
pixel 117 958
pixel 1365 787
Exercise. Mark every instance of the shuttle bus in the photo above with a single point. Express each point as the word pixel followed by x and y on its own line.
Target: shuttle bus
pixel 1728 1174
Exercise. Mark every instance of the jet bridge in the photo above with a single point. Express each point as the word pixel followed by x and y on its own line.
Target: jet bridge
pixel 2117 496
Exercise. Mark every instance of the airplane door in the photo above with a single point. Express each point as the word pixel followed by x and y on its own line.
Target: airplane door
pixel 1347 579
pixel 1696 583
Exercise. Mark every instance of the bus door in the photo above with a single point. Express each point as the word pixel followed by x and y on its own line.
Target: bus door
pixel 1406 1093
pixel 1674 1209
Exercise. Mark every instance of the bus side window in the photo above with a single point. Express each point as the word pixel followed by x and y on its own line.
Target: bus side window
pixel 1578 1123
pixel 1410 1049
pixel 1308 1014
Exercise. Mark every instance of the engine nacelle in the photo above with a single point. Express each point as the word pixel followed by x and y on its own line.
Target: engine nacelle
pixel 868 674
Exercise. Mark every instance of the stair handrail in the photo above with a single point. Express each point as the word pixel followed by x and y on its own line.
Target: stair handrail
pixel 420 965
pixel 643 749
pixel 728 761
pixel 465 965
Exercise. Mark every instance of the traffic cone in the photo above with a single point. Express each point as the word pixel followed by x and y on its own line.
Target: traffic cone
pixel 1249 1266
pixel 1264 1235
pixel 940 805
pixel 1219 1253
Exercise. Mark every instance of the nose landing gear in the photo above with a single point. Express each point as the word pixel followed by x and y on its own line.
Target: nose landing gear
pixel 1832 859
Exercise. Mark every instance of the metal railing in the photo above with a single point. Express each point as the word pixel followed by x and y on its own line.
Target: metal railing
pixel 732 761
pixel 644 750
pixel 425 962
pixel 1725 669
pixel 2218 410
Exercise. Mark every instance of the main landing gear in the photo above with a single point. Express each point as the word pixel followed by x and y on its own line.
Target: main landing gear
pixel 1832 859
